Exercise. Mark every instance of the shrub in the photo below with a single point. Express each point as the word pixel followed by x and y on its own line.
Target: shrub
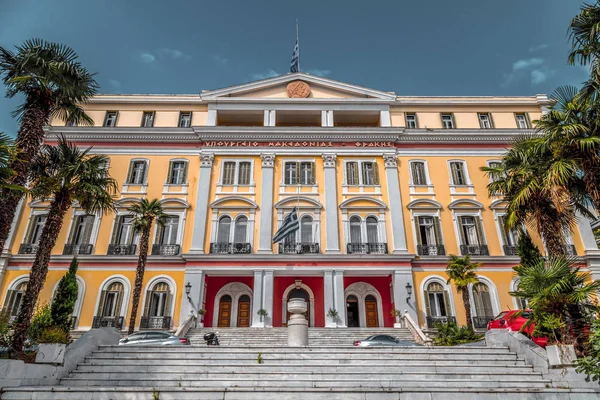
pixel 5 328
pixel 42 320
pixel 590 365
pixel 54 334
pixel 451 334
pixel 64 301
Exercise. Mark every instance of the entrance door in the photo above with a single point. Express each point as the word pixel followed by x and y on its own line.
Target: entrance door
pixel 300 294
pixel 243 319
pixel 371 311
pixel 352 312
pixel 225 312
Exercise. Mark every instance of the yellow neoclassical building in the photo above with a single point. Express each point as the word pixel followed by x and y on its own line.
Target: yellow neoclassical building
pixel 386 187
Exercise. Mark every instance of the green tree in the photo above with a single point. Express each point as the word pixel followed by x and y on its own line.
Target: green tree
pixel 63 173
pixel 144 215
pixel 53 83
pixel 462 272
pixel 64 300
pixel 584 32
pixel 527 250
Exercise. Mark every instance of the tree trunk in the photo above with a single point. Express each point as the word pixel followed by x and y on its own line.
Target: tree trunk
pixel 467 303
pixel 139 276
pixel 29 140
pixel 39 269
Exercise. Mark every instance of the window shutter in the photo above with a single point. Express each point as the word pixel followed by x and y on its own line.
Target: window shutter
pixel 170 178
pixel 101 304
pixel 32 226
pixel 8 303
pixel 437 227
pixel 185 170
pixel 87 229
pixel 159 234
pixel 461 230
pixel 349 180
pixel 313 178
pixel 479 228
pixel 375 174
pixel 487 304
pixel 418 231
pixel 355 172
pixel 427 305
pixel 167 305
pixel 363 173
pixel 145 173
pixel 148 302
pixel 447 303
pixel 130 172
pixel 115 233
pixel 119 304
pixel 501 222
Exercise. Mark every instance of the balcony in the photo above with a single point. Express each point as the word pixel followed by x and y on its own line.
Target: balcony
pixel 570 250
pixel 155 322
pixel 108 322
pixel 431 321
pixel 510 250
pixel 28 248
pixel 122 249
pixel 427 250
pixel 481 322
pixel 299 248
pixel 165 249
pixel 366 248
pixel 78 249
pixel 474 250
pixel 230 248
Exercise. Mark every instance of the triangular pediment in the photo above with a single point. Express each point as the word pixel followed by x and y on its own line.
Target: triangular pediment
pixel 277 87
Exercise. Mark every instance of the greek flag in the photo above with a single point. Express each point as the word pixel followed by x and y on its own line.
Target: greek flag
pixel 295 65
pixel 290 224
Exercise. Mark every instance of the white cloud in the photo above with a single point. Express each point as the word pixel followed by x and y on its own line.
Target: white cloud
pixel 220 60
pixel 539 76
pixel 174 53
pixel 527 63
pixel 147 58
pixel 319 72
pixel 533 69
pixel 540 47
pixel 115 85
pixel 270 73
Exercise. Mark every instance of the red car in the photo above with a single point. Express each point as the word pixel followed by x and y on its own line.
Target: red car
pixel 514 321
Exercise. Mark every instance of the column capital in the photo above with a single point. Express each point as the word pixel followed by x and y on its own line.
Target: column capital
pixel 329 160
pixel 391 160
pixel 268 160
pixel 206 160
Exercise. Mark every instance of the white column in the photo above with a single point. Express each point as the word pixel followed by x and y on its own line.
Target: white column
pixel 326 118
pixel 269 118
pixel 338 297
pixel 267 294
pixel 396 214
pixel 329 297
pixel 332 243
pixel 385 120
pixel 266 207
pixel 257 297
pixel 201 209
pixel 586 232
pixel 402 302
pixel 211 118
pixel 196 278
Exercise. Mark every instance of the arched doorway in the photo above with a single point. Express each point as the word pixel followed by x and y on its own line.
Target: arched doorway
pixel 371 312
pixel 224 312
pixel 299 293
pixel 352 311
pixel 243 312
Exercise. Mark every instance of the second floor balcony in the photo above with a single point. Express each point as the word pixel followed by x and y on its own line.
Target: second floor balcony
pixel 230 248
pixel 75 249
pixel 108 322
pixel 122 249
pixel 366 248
pixel 299 248
pixel 474 250
pixel 28 248
pixel 147 322
pixel 166 249
pixel 431 250
pixel 510 250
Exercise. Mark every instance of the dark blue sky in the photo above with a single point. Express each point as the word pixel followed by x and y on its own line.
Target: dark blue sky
pixel 426 47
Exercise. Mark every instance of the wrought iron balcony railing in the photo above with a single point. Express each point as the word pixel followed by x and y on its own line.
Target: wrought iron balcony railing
pixel 122 249
pixel 510 250
pixel 474 250
pixel 570 250
pixel 165 249
pixel 28 248
pixel 366 248
pixel 299 248
pixel 108 322
pixel 78 249
pixel 427 250
pixel 155 322
pixel 481 322
pixel 431 321
pixel 230 248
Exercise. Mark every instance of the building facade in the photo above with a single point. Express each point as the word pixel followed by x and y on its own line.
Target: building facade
pixel 386 188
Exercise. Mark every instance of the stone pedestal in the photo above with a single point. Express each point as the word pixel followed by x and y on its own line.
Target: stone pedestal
pixel 50 353
pixel 297 325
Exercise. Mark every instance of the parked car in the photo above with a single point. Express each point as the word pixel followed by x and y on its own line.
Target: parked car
pixel 383 340
pixel 514 320
pixel 153 338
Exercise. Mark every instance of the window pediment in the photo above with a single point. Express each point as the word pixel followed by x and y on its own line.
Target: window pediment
pixel 465 204
pixel 499 205
pixel 174 203
pixel 300 202
pixel 421 204
pixel 362 203
pixel 233 202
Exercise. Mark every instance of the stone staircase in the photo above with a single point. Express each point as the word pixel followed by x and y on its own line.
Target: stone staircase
pixel 255 364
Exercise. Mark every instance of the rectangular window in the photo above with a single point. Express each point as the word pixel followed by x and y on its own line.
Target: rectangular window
pixel 137 173
pixel 244 173
pixel 167 234
pixel 471 231
pixel 429 231
pixel 494 164
pixel 411 121
pixel 485 121
pixel 178 172
pixel 35 231
pixel 419 176
pixel 124 230
pixel 352 178
pixel 370 174
pixel 522 121
pixel 457 170
pixel 110 119
pixel 236 173
pixel 82 229
pixel 447 121
pixel 148 119
pixel 306 173
pixel 229 173
pixel 510 237
pixel 299 173
pixel 185 119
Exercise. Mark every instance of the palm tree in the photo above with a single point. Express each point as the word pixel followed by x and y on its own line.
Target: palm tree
pixel 585 44
pixel 524 179
pixel 54 83
pixel 144 214
pixel 462 272
pixel 63 173
pixel 6 153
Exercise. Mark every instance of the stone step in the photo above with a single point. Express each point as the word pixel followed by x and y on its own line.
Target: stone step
pixel 308 350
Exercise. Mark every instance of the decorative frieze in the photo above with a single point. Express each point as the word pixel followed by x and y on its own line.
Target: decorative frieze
pixel 329 160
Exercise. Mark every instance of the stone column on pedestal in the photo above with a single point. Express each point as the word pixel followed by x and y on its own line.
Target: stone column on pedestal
pixel 265 245
pixel 396 214
pixel 332 243
pixel 201 209
pixel 297 325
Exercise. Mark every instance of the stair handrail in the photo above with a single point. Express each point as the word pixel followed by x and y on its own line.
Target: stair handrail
pixel 188 323
pixel 415 330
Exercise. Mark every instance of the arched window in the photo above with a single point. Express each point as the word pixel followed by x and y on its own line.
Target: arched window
pixel 483 301
pixel 306 226
pixel 111 300
pixel 355 230
pixel 158 300
pixel 522 303
pixel 14 298
pixel 241 225
pixel 437 302
pixel 372 236
pixel 224 230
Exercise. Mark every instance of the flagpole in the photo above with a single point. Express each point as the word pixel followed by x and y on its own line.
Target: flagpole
pixel 298 41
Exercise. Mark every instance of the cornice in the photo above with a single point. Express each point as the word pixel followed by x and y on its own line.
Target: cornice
pixel 538 100
pixel 145 99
